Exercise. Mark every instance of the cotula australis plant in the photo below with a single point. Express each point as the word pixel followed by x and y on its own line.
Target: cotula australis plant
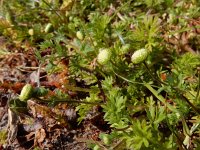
pixel 116 50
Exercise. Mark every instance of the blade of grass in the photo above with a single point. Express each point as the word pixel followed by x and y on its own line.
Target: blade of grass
pixel 160 97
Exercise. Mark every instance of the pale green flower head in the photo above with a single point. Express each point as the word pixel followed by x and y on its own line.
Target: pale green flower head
pixel 139 56
pixel 103 56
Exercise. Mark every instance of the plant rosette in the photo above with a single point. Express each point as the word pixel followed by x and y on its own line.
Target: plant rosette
pixel 103 56
pixel 139 56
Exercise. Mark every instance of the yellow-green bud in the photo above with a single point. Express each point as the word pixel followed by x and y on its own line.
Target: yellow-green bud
pixel 139 56
pixel 31 32
pixel 103 56
pixel 48 28
pixel 26 92
pixel 79 35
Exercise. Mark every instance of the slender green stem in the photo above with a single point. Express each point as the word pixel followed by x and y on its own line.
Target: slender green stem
pixel 198 88
pixel 173 131
pixel 119 145
pixel 67 101
pixel 127 80
pixel 190 104
pixel 73 88
pixel 153 77
pixel 52 8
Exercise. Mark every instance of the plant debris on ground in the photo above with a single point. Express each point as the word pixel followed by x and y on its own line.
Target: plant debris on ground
pixel 101 75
